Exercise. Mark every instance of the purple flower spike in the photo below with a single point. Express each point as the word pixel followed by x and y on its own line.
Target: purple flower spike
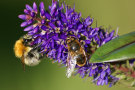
pixel 50 28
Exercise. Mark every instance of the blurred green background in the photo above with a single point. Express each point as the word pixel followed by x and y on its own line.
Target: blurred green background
pixel 48 76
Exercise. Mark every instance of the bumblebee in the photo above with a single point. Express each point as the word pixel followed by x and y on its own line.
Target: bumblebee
pixel 28 54
pixel 76 55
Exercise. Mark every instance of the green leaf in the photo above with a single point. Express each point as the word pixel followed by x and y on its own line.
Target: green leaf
pixel 118 49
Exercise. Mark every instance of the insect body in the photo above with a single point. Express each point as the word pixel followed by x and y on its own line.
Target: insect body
pixel 28 54
pixel 76 55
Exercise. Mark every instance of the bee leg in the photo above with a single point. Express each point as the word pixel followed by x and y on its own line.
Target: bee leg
pixel 22 61
pixel 37 46
pixel 42 56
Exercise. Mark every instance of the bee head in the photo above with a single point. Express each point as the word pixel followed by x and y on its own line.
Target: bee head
pixel 27 39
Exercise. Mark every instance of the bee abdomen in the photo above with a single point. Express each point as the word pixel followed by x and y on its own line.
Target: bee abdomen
pixel 19 48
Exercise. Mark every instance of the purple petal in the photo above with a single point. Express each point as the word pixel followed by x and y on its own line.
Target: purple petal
pixel 39 40
pixel 62 6
pixel 111 34
pixel 51 53
pixel 26 11
pixel 43 27
pixel 107 39
pixel 35 7
pixel 42 11
pixel 87 41
pixel 30 33
pixel 28 7
pixel 103 81
pixel 108 71
pixel 22 17
pixel 102 75
pixel 41 6
pixel 58 56
pixel 80 26
pixel 52 25
pixel 52 44
pixel 32 14
pixel 99 81
pixel 35 30
pixel 30 21
pixel 58 23
pixel 101 35
pixel 106 80
pixel 24 24
pixel 53 8
pixel 47 15
pixel 88 21
pixel 28 28
pixel 43 21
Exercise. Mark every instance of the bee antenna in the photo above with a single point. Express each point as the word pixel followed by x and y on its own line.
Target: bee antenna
pixel 42 56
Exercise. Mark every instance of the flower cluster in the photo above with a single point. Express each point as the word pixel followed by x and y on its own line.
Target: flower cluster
pixel 51 27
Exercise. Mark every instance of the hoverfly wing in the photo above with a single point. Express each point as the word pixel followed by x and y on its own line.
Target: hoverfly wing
pixel 71 63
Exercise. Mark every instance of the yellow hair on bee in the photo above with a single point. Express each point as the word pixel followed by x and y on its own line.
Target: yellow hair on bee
pixel 19 48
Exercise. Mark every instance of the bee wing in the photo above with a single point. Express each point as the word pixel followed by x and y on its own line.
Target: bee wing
pixel 71 63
